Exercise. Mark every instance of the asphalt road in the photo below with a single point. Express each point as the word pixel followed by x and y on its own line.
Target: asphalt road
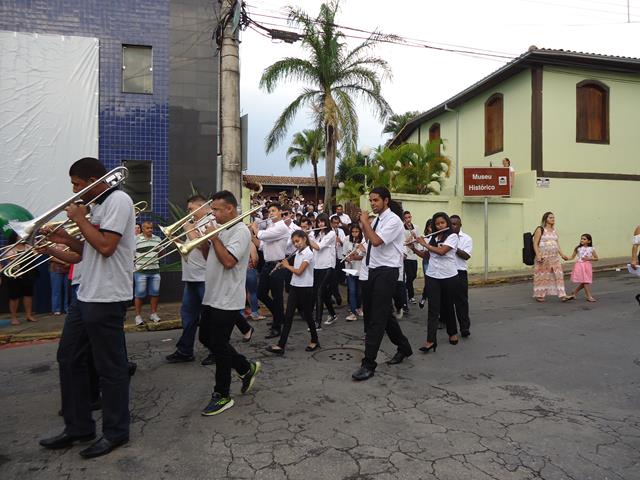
pixel 539 391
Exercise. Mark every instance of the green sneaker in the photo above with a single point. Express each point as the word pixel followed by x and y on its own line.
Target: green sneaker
pixel 218 404
pixel 250 377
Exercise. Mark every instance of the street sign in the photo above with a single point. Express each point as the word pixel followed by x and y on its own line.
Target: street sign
pixel 486 182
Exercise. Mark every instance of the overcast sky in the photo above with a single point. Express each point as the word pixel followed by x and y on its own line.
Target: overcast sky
pixel 424 77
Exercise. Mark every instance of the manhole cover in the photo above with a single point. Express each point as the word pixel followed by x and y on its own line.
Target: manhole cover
pixel 350 355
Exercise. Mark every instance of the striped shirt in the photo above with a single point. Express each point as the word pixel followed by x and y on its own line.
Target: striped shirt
pixel 144 245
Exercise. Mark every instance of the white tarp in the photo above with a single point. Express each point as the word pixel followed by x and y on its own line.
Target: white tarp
pixel 48 115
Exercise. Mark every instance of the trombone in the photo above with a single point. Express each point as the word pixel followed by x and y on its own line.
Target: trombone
pixel 184 248
pixel 28 230
pixel 26 259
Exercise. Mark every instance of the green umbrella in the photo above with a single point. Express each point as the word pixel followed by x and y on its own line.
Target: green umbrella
pixel 11 212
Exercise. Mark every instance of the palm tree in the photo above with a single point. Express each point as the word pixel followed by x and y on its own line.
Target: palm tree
pixel 397 121
pixel 335 78
pixel 307 147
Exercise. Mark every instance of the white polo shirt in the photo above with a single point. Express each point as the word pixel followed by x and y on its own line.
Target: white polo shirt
pixel 444 266
pixel 345 219
pixel 408 236
pixel 195 268
pixel 364 270
pixel 390 229
pixel 326 256
pixel 275 241
pixel 110 279
pixel 291 249
pixel 465 243
pixel 349 246
pixel 224 288
pixel 306 279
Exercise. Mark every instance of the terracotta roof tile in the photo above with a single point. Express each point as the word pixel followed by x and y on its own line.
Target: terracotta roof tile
pixel 269 180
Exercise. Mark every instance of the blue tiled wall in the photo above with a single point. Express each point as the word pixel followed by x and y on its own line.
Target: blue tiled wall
pixel 132 126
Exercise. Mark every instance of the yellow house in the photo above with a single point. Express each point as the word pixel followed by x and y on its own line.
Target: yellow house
pixel 570 124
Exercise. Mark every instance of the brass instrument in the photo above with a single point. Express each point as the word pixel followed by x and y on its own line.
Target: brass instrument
pixel 185 248
pixel 25 260
pixel 28 230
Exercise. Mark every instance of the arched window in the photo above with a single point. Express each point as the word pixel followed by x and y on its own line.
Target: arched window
pixel 592 112
pixel 493 124
pixel 434 136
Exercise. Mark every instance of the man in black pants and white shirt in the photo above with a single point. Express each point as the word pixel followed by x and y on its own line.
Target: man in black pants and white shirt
pixel 107 251
pixel 273 242
pixel 384 257
pixel 461 294
pixel 224 298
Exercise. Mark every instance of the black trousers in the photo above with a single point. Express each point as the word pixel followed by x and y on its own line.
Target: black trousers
pixel 440 292
pixel 461 301
pixel 301 299
pixel 400 299
pixel 215 328
pixel 240 321
pixel 96 330
pixel 322 291
pixel 410 274
pixel 336 279
pixel 273 284
pixel 377 296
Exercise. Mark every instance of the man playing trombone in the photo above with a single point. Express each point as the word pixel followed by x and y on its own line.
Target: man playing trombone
pixel 193 276
pixel 107 254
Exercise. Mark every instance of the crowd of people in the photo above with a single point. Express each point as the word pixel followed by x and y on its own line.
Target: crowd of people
pixel 289 250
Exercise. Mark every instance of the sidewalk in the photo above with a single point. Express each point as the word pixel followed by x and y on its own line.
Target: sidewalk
pixel 49 327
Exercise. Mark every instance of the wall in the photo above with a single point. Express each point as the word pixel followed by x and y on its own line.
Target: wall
pixel 561 152
pixel 193 97
pixel 131 126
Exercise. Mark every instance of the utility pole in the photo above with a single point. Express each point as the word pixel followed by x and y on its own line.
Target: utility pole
pixel 229 102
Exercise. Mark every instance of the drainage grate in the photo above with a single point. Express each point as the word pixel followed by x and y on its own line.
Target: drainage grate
pixel 350 355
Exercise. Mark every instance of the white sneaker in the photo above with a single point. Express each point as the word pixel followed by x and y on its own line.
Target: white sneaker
pixel 154 317
pixel 398 314
pixel 330 319
pixel 351 318
pixel 359 312
pixel 139 320
pixel 412 301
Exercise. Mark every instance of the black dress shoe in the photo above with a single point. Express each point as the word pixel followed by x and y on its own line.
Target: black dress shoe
pixel 275 350
pixel 65 440
pixel 273 333
pixel 209 360
pixel 465 334
pixel 309 348
pixel 177 357
pixel 102 447
pixel 398 358
pixel 363 373
pixel 133 366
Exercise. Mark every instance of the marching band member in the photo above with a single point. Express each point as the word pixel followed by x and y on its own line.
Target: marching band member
pixel 352 261
pixel 107 253
pixel 324 248
pixel 224 298
pixel 300 293
pixel 383 259
pixel 193 276
pixel 338 274
pixel 273 241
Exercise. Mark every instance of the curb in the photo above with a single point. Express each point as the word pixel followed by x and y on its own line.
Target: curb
pixel 128 328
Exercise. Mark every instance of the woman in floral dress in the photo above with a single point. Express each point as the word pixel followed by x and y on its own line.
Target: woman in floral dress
pixel 547 273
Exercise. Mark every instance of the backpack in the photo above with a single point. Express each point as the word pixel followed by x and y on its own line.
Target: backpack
pixel 528 252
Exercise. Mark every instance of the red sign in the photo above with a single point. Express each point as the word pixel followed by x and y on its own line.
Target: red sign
pixel 486 182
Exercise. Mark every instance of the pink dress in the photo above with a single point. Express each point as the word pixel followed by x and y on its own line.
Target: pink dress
pixel 582 271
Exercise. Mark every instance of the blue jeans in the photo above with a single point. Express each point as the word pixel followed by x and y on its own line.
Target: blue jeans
pixel 251 285
pixel 190 312
pixel 59 292
pixel 353 287
pixel 146 284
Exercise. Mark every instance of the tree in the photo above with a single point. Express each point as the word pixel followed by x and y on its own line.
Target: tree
pixel 335 77
pixel 307 147
pixel 397 121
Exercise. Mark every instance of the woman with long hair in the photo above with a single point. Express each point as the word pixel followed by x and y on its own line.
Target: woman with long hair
pixel 441 281
pixel 548 277
pixel 324 253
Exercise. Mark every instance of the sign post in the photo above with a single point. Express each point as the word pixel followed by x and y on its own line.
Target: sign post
pixel 486 182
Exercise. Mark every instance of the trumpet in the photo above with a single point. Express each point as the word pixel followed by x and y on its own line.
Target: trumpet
pixel 426 236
